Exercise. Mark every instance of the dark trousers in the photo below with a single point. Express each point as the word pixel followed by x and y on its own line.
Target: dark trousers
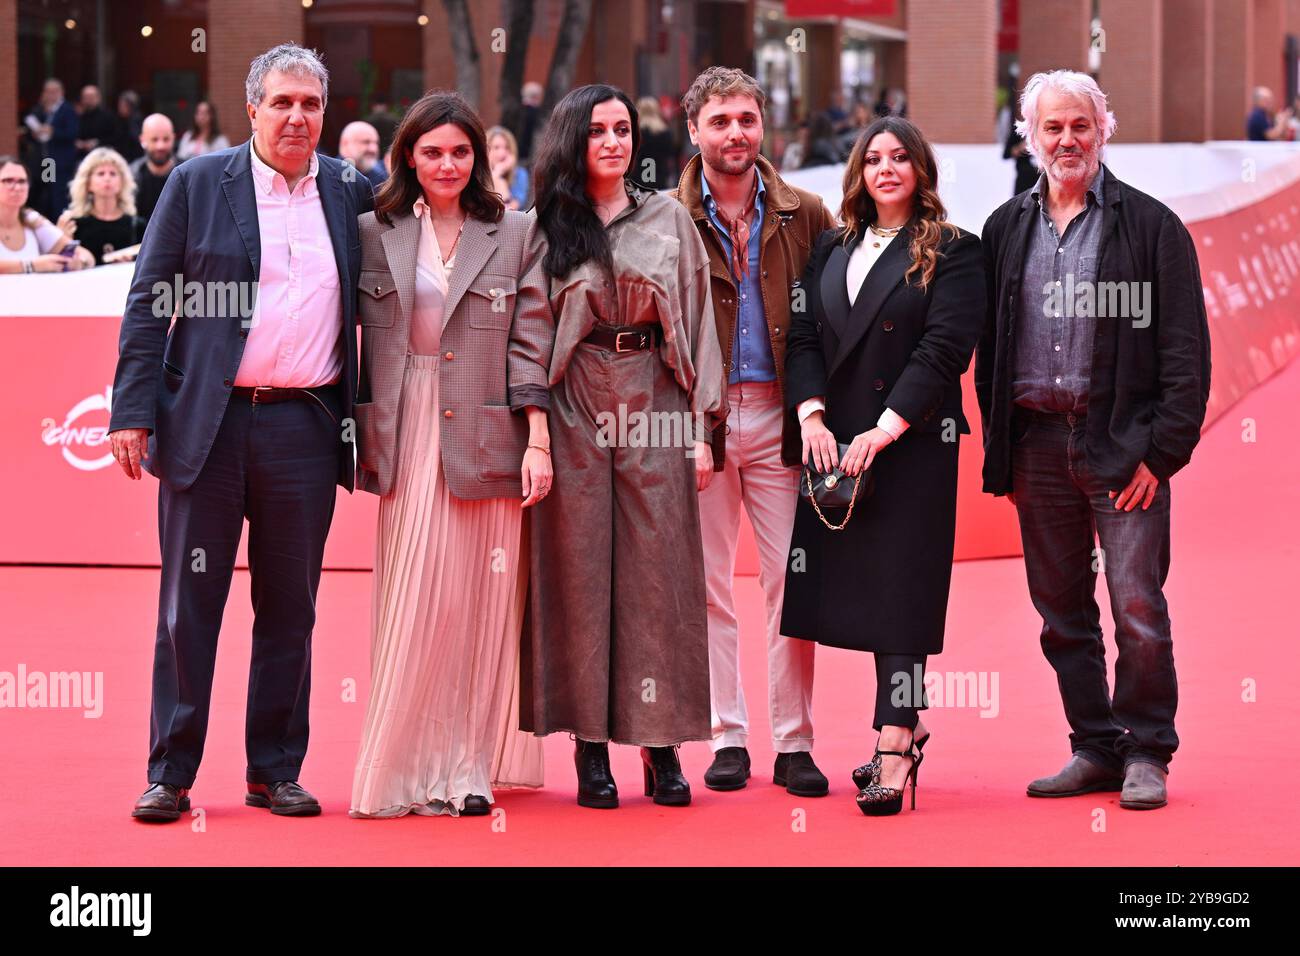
pixel 276 465
pixel 1062 508
pixel 900 689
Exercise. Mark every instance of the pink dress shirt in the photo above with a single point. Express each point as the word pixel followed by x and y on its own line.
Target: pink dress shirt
pixel 295 336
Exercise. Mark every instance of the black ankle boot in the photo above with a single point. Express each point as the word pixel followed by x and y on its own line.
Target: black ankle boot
pixel 595 782
pixel 663 777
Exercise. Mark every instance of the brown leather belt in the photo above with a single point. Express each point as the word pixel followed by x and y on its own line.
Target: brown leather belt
pixel 267 395
pixel 631 338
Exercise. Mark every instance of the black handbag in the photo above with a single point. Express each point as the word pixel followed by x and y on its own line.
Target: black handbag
pixel 834 489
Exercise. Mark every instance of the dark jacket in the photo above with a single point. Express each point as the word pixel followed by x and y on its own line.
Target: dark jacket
pixel 62 145
pixel 793 220
pixel 882 583
pixel 1150 380
pixel 176 382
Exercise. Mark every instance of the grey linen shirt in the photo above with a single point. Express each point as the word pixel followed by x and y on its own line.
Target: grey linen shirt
pixel 1052 365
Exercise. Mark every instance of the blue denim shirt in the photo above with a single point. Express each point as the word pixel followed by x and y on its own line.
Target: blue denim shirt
pixel 751 347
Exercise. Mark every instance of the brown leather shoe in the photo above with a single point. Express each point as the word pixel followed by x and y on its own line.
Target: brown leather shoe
pixel 283 798
pixel 162 803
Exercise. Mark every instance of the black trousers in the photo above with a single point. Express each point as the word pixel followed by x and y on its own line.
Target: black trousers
pixel 276 465
pixel 900 689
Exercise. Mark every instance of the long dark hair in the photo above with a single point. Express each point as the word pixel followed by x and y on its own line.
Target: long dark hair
pixel 400 191
pixel 214 128
pixel 574 232
pixel 929 218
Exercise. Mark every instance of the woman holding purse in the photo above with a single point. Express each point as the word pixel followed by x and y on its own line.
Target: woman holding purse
pixel 883 328
pixel 452 434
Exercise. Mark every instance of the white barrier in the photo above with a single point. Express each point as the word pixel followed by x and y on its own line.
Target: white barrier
pixel 974 179
pixel 1198 180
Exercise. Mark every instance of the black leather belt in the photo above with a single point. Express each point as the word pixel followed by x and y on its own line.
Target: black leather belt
pixel 268 395
pixel 633 338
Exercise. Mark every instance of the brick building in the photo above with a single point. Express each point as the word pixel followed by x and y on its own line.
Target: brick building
pixel 1175 69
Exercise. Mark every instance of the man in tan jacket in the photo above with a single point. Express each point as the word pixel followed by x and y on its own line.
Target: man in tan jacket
pixel 759 232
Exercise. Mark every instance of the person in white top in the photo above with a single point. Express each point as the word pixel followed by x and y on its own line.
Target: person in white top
pixel 204 136
pixel 28 241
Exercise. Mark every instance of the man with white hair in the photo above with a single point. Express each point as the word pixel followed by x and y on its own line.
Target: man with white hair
pixel 243 414
pixel 1093 375
pixel 359 145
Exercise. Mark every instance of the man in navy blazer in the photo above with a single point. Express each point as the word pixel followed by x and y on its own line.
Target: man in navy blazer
pixel 55 124
pixel 242 408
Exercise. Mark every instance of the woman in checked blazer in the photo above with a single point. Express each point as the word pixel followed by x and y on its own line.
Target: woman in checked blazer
pixel 451 416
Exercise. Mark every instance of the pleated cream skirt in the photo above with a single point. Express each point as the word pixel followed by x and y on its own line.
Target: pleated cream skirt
pixel 446 609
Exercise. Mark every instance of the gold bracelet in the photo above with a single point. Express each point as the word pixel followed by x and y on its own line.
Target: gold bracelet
pixel 540 448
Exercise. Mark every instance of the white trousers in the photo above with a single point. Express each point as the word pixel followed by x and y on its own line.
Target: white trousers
pixel 754 474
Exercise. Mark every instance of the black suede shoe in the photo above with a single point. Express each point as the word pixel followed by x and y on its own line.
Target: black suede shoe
pixel 284 798
pixel 475 806
pixel 729 770
pixel 162 803
pixel 799 775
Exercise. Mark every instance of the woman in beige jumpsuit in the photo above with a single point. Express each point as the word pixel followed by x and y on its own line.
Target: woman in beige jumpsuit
pixel 616 637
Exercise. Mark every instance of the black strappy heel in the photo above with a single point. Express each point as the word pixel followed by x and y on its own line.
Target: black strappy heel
pixel 877 801
pixel 869 773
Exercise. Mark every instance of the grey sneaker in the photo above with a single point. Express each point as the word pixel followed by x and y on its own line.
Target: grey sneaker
pixel 1079 776
pixel 1144 787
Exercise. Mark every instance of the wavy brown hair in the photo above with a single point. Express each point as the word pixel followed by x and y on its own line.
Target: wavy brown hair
pixel 929 218
pixel 400 191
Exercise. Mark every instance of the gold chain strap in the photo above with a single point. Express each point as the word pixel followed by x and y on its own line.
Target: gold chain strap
pixel 813 499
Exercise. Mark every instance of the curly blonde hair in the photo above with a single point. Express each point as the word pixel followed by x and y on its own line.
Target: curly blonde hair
pixel 81 202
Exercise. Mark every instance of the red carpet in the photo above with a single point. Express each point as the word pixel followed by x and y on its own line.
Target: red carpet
pixel 68 782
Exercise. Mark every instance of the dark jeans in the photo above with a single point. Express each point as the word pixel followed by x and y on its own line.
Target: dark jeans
pixel 1062 508
pixel 277 465
pixel 900 689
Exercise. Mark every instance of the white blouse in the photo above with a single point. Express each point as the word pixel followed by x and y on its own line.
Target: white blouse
pixel 432 279
pixel 37 240
pixel 860 262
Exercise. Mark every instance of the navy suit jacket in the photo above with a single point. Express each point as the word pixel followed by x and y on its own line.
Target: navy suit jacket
pixel 62 146
pixel 176 381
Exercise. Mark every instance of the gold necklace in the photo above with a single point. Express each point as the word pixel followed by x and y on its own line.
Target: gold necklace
pixel 451 253
pixel 884 233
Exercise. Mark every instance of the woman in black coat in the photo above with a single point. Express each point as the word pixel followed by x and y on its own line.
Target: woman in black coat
pixel 892 307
